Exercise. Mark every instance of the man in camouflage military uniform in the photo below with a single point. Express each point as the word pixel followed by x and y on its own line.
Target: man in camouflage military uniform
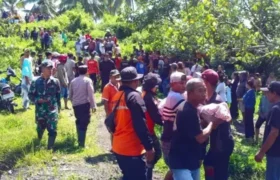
pixel 45 93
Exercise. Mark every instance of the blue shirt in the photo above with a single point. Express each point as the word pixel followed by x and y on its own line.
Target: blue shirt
pixel 249 99
pixel 140 67
pixel 27 68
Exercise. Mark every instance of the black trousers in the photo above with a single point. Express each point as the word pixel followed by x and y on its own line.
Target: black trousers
pixel 132 167
pixel 94 80
pixel 104 81
pixel 234 108
pixel 158 154
pixel 82 114
pixel 249 122
pixel 219 163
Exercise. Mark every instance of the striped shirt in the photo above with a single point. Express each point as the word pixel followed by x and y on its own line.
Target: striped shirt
pixel 170 107
pixel 168 113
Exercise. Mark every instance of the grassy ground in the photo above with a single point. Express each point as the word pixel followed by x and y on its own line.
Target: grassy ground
pixel 19 147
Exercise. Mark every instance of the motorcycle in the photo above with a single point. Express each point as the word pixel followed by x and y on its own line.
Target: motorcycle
pixel 7 95
pixel 16 88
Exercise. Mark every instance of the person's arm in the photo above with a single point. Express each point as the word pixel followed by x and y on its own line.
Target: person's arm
pixel 201 138
pixel 136 105
pixel 71 92
pixel 58 93
pixel 105 99
pixel 90 91
pixel 153 110
pixel 272 136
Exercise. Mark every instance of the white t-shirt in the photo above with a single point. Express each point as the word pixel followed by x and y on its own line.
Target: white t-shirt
pixel 196 68
pixel 118 50
pixel 221 90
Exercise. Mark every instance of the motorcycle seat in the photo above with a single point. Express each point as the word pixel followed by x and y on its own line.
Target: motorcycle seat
pixel 3 85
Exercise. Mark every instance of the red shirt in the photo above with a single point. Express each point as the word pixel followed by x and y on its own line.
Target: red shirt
pixel 92 67
pixel 108 93
pixel 118 62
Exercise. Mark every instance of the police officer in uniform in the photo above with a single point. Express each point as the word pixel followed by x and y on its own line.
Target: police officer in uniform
pixel 45 94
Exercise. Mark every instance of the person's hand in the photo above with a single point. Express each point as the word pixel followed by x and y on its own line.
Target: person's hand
pixel 93 110
pixel 216 123
pixel 259 156
pixel 150 156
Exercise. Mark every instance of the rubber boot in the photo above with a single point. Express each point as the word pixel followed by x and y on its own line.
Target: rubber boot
pixel 40 134
pixel 51 141
pixel 82 138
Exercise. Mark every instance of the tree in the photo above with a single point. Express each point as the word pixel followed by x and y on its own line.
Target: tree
pixel 11 5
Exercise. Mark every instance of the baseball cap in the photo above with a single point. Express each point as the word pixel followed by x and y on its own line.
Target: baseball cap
pixel 177 77
pixel 150 81
pixel 114 72
pixel 47 63
pixel 130 74
pixel 210 76
pixel 273 87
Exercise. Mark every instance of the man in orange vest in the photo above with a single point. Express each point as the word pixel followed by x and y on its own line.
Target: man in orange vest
pixel 132 142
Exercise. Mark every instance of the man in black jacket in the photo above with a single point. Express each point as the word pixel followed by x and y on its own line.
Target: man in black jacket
pixel 105 67
pixel 150 83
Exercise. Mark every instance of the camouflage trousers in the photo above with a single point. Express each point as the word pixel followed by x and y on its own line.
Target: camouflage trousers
pixel 47 121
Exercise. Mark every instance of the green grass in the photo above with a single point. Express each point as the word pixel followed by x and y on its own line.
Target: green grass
pixel 19 145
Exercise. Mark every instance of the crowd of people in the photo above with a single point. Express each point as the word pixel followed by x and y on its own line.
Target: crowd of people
pixel 14 17
pixel 129 87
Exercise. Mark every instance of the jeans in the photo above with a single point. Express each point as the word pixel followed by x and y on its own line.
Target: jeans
pixel 249 122
pixel 186 174
pixel 64 92
pixel 82 114
pixel 272 168
pixel 132 167
pixel 24 94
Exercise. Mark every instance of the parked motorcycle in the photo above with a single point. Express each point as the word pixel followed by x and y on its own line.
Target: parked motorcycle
pixel 6 93
pixel 7 80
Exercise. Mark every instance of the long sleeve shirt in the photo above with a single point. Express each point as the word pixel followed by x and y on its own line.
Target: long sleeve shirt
pixel 81 91
pixel 249 99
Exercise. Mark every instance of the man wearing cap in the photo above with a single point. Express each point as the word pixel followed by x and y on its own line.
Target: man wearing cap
pixel 216 161
pixel 45 93
pixel 271 139
pixel 106 66
pixel 81 94
pixel 131 140
pixel 170 108
pixel 27 76
pixel 150 84
pixel 109 91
